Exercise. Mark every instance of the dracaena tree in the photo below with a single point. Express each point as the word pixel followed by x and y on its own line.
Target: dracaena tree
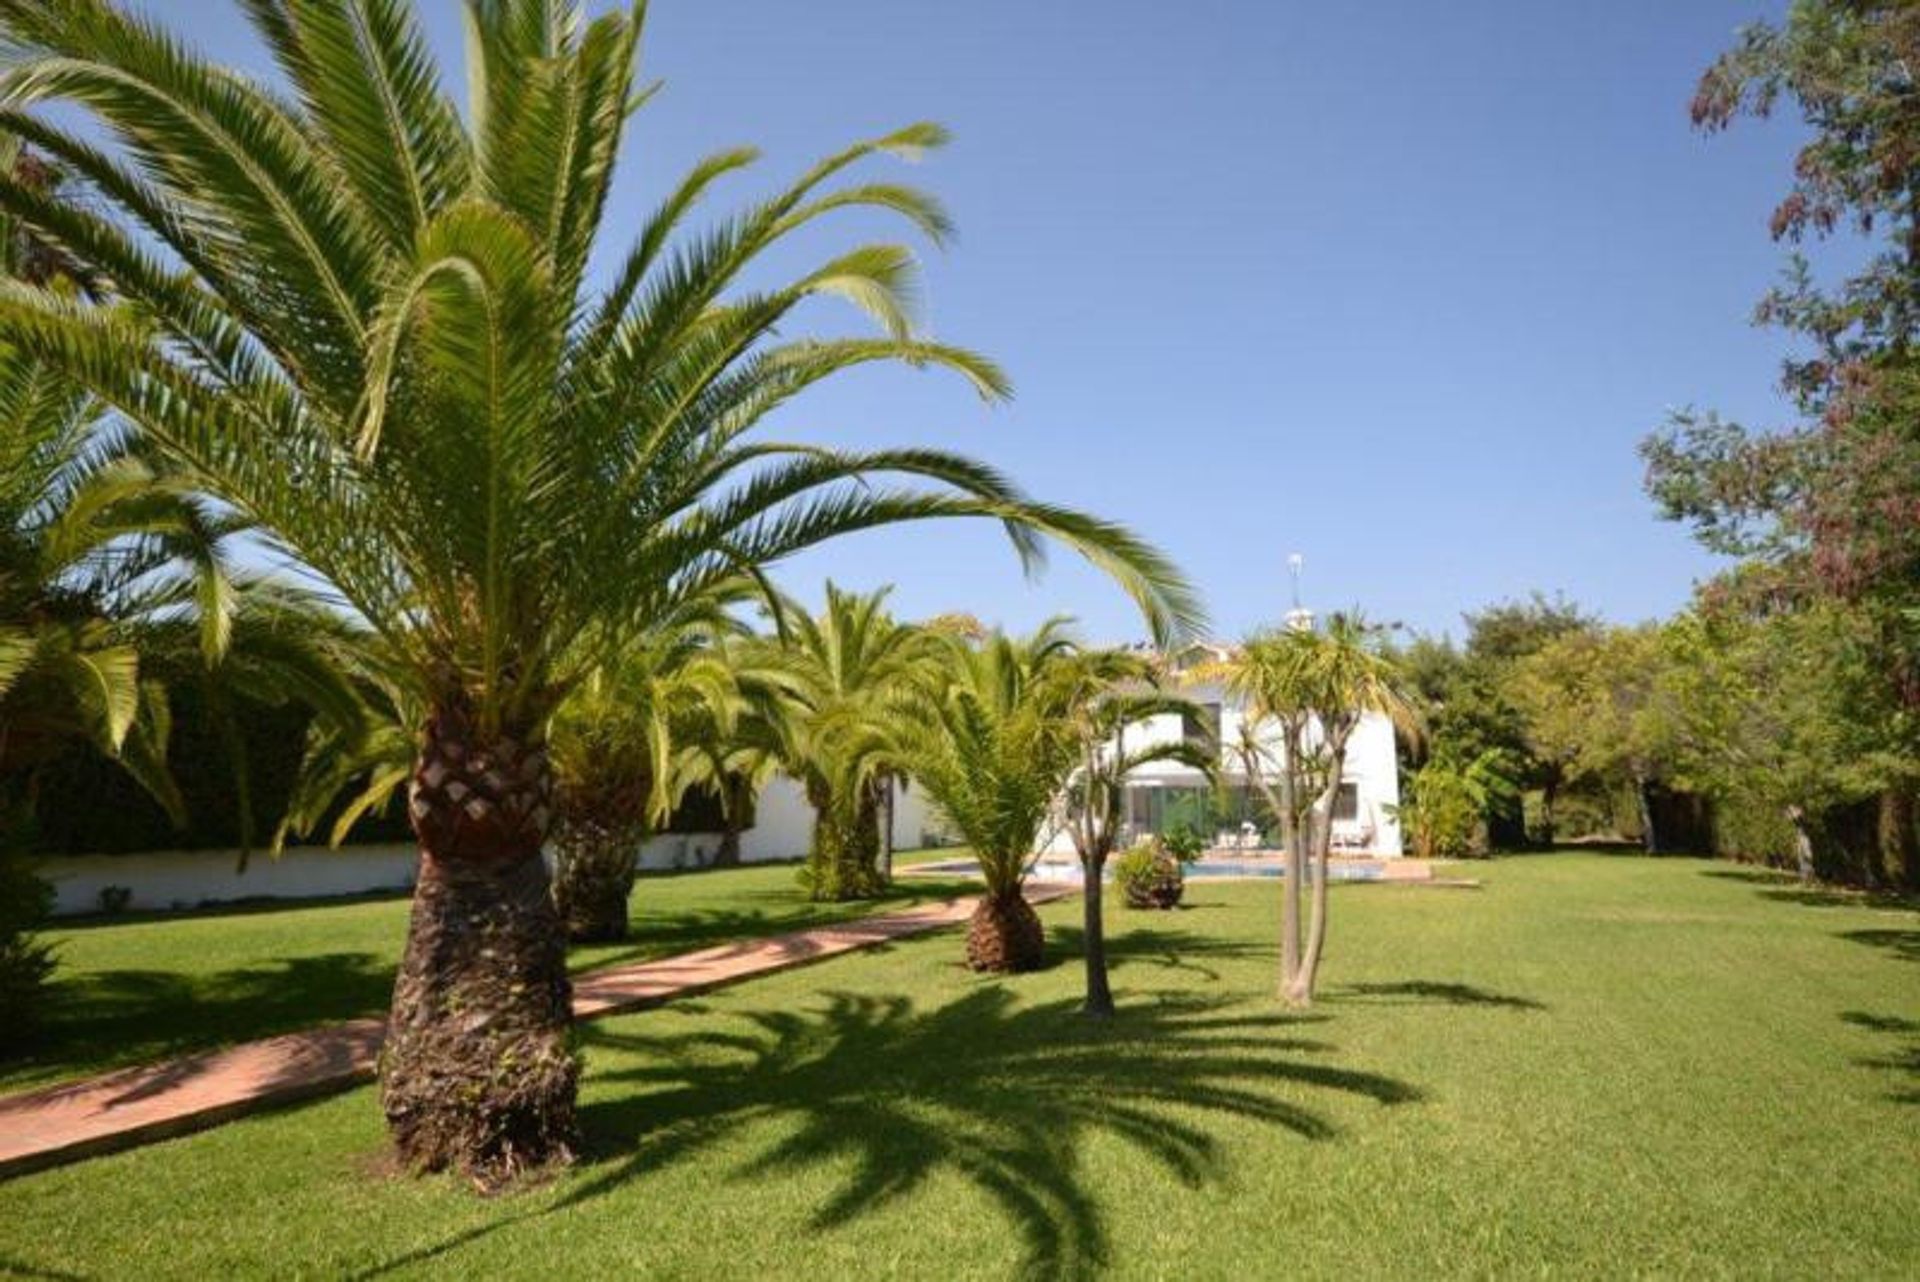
pixel 363 318
pixel 1305 691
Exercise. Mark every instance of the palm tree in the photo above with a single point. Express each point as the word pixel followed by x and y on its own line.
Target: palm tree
pixel 842 674
pixel 992 738
pixel 620 746
pixel 1111 693
pixel 1314 687
pixel 117 581
pixel 362 319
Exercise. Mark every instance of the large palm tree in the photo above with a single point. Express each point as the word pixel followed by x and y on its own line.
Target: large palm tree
pixel 363 319
pixel 1312 687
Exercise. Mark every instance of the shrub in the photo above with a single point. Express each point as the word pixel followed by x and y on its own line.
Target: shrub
pixel 1150 877
pixel 1183 841
pixel 25 962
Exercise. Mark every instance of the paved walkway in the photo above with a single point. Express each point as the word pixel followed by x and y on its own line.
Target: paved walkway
pixel 153 1101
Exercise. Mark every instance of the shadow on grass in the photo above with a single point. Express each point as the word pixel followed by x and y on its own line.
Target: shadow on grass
pixel 1904 944
pixel 1004 1096
pixel 102 1019
pixel 1786 888
pixel 658 934
pixel 1414 992
pixel 1902 1058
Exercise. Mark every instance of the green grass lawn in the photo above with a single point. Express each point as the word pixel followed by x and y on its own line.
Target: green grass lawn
pixel 1592 1065
pixel 138 988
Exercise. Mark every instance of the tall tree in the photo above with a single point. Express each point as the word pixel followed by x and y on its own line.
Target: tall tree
pixel 361 316
pixel 1314 686
pixel 1830 506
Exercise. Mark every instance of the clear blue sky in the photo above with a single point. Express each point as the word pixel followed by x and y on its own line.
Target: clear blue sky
pixel 1396 285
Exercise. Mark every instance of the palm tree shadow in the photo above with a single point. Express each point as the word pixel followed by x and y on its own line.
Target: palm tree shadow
pixel 1416 991
pixel 1006 1097
pixel 1904 1058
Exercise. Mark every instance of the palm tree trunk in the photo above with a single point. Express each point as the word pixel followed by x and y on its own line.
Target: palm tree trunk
pixel 476 1073
pixel 594 870
pixel 1004 935
pixel 1099 992
pixel 886 829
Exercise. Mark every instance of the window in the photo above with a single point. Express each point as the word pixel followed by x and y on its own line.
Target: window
pixel 1346 802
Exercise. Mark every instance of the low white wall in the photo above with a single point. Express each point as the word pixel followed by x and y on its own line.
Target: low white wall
pixel 188 879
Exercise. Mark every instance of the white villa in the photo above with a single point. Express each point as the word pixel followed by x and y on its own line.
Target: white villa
pixel 1162 794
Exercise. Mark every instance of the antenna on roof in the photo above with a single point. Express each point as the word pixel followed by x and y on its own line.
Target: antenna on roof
pixel 1299 618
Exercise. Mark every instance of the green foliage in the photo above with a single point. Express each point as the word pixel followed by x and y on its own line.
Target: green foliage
pixel 363 317
pixel 1446 803
pixel 1150 875
pixel 25 960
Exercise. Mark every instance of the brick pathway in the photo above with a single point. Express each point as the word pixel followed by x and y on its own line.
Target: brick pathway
pixel 138 1105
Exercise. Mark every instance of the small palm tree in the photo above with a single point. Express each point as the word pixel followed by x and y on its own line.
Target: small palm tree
pixel 1313 687
pixel 992 739
pixel 842 673
pixel 621 745
pixel 361 317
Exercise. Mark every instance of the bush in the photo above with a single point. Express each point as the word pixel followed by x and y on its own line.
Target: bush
pixel 1183 841
pixel 25 962
pixel 1150 876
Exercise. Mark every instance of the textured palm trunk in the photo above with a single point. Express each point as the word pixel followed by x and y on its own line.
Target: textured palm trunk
pixel 594 870
pixel 1004 935
pixel 476 1073
pixel 843 859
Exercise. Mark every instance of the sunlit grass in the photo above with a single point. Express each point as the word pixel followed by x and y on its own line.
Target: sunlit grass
pixel 1592 1066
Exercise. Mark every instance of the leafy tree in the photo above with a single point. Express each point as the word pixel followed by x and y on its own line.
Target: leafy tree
pixel 1765 714
pixel 1830 506
pixel 842 674
pixel 1103 693
pixel 1591 706
pixel 360 317
pixel 621 744
pixel 1312 687
pixel 1447 802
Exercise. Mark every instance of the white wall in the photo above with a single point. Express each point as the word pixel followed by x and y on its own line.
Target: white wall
pixel 188 879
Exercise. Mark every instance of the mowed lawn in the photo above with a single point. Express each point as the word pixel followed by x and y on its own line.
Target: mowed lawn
pixel 1592 1065
pixel 140 988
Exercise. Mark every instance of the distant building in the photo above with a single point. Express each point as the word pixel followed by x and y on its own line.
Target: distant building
pixel 1234 814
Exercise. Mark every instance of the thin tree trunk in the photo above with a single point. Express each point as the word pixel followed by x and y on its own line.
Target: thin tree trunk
pixel 476 1073
pixel 1649 840
pixel 1899 839
pixel 1301 994
pixel 1549 793
pixel 1290 831
pixel 1099 1001
pixel 1802 843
